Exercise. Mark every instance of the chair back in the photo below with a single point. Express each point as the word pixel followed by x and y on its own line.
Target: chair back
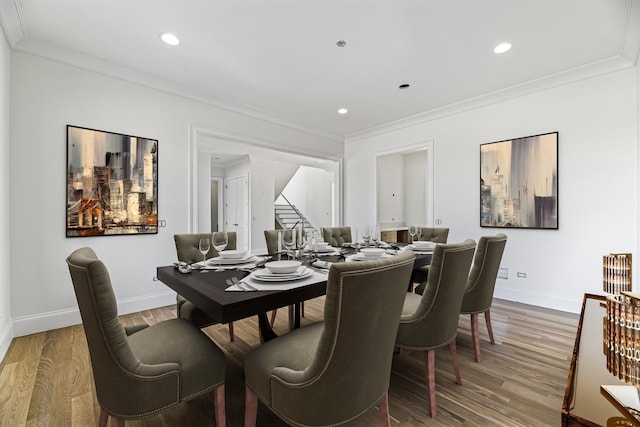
pixel 187 246
pixel 336 236
pixel 482 278
pixel 271 237
pixel 434 321
pixel 435 235
pixel 117 372
pixel 353 358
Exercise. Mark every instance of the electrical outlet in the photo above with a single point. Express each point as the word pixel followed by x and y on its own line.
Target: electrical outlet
pixel 438 221
pixel 522 275
pixel 503 273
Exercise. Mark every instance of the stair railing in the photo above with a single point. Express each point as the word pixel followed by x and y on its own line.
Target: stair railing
pixel 300 215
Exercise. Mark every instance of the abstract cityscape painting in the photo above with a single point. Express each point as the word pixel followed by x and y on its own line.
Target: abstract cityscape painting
pixel 112 183
pixel 519 182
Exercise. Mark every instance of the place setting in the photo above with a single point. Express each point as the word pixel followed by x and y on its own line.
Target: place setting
pixel 277 275
pixel 369 254
pixel 422 246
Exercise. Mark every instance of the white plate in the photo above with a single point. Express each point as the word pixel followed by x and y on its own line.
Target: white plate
pixel 267 276
pixel 322 249
pixel 360 257
pixel 234 254
pixel 231 261
pixel 415 249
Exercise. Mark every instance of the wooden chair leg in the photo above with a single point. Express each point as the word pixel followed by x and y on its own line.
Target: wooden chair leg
pixel 115 422
pixel 103 418
pixel 231 336
pixel 454 361
pixel 219 406
pixel 273 317
pixel 383 409
pixel 430 364
pixel 302 309
pixel 250 408
pixel 487 319
pixel 475 335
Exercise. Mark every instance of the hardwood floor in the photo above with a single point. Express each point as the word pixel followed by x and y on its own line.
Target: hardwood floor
pixel 46 379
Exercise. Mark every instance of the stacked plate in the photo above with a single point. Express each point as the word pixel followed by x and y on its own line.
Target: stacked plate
pixel 226 260
pixel 422 246
pixel 267 275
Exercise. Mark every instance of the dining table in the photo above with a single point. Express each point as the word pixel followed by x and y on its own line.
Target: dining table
pixel 208 291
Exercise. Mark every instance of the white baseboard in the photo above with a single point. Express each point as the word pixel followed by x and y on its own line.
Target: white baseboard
pixel 554 302
pixel 6 335
pixel 62 318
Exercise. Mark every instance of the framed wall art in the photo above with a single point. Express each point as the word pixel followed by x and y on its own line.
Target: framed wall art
pixel 519 182
pixel 112 183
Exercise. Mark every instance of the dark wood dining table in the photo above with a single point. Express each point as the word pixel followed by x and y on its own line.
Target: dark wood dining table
pixel 207 292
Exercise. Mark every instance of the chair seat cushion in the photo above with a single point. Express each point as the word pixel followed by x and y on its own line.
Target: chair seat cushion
pixel 411 302
pixel 294 350
pixel 188 311
pixel 202 362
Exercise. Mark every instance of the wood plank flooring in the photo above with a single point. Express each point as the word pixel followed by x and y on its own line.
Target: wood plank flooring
pixel 46 378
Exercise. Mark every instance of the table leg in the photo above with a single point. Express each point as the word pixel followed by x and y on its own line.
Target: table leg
pixel 267 333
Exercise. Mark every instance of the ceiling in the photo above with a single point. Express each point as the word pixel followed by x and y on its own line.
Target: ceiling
pixel 279 60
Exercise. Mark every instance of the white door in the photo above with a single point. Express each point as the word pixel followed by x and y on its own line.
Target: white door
pixel 236 216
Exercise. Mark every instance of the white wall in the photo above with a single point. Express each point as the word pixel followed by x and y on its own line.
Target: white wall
pixel 310 191
pixel 46 96
pixel 598 182
pixel 263 174
pixel 415 187
pixel 5 225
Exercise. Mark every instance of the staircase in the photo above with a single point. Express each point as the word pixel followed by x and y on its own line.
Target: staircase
pixel 287 216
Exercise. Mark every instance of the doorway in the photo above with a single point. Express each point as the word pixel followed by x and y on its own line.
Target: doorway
pixel 236 209
pixel 404 186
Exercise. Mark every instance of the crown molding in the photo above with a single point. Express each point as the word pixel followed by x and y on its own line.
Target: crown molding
pixel 577 74
pixel 97 65
pixel 12 21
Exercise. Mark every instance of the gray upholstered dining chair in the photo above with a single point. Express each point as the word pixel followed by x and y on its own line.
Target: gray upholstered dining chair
pixel 188 251
pixel 429 234
pixel 430 320
pixel 336 236
pixel 140 371
pixel 331 372
pixel 478 295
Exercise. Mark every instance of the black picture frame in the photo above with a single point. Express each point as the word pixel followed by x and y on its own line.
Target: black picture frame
pixel 112 183
pixel 519 182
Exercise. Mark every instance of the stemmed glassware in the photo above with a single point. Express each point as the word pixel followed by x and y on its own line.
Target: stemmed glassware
pixel 300 242
pixel 366 235
pixel 413 230
pixel 418 232
pixel 203 247
pixel 220 240
pixel 288 240
pixel 375 235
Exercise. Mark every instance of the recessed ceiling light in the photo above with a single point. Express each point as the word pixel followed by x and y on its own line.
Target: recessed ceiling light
pixel 170 39
pixel 341 43
pixel 404 86
pixel 343 111
pixel 502 47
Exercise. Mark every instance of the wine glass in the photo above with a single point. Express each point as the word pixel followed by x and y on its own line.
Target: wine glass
pixel 288 240
pixel 375 235
pixel 301 242
pixel 203 247
pixel 366 235
pixel 413 230
pixel 418 232
pixel 220 240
